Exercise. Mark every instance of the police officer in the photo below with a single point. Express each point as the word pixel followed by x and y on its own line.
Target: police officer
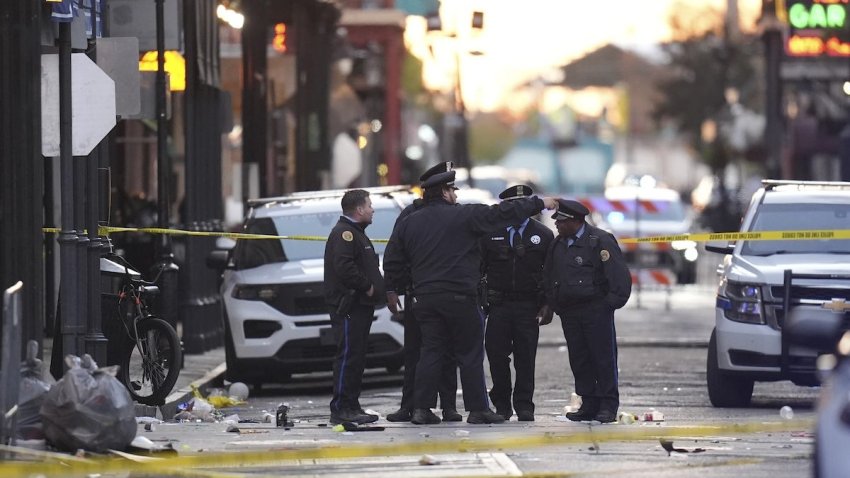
pixel 440 245
pixel 512 262
pixel 353 288
pixel 413 335
pixel 586 279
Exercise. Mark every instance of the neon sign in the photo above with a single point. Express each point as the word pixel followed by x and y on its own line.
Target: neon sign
pixel 817 28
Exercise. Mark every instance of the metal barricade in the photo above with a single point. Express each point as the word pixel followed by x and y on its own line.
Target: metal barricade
pixel 10 363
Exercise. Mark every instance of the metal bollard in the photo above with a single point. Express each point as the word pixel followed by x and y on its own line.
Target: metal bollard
pixel 10 363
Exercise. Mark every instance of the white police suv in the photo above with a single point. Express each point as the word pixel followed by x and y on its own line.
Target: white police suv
pixel 760 280
pixel 276 321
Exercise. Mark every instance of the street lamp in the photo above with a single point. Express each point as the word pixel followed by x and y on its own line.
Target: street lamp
pixel 457 124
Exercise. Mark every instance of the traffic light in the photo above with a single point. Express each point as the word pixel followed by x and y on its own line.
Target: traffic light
pixel 279 41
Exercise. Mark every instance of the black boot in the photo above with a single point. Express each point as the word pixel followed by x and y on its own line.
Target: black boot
pixel 484 416
pixel 400 415
pixel 451 415
pixel 424 416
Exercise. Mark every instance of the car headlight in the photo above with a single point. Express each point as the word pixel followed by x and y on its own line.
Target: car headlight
pixel 254 292
pixel 741 302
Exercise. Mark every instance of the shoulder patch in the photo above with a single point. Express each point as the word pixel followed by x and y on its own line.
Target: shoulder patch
pixel 535 239
pixel 605 255
pixel 347 236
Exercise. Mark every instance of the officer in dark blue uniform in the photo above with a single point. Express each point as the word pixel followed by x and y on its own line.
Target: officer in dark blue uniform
pixel 353 289
pixel 440 245
pixel 512 263
pixel 586 279
pixel 413 334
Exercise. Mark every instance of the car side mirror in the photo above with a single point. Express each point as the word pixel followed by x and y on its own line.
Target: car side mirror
pixel 218 260
pixel 819 329
pixel 727 249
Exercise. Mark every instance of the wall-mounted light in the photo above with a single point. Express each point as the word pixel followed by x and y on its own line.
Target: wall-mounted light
pixel 231 17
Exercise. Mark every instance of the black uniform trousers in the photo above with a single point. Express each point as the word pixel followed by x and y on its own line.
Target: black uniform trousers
pixel 412 346
pixel 452 325
pixel 592 344
pixel 512 329
pixel 352 335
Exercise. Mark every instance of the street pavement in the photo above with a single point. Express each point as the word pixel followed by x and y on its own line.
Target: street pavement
pixel 662 366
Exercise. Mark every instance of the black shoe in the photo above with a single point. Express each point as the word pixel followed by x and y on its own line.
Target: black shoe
pixel 484 416
pixel 505 413
pixel 606 416
pixel 424 416
pixel 525 415
pixel 352 416
pixel 400 415
pixel 451 415
pixel 581 415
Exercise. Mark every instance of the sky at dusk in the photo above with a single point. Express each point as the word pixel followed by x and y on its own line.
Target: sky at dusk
pixel 522 40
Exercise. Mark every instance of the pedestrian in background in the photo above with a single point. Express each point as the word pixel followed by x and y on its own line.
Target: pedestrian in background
pixel 512 263
pixel 354 287
pixel 586 279
pixel 447 389
pixel 440 245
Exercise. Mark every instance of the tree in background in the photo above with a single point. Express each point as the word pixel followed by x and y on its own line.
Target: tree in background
pixel 706 62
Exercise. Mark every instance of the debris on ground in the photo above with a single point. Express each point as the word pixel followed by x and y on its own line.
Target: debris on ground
pixel 786 412
pixel 667 445
pixel 428 460
pixel 33 389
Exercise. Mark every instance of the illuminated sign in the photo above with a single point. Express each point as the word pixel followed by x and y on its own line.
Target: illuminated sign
pixel 817 28
pixel 279 42
pixel 175 66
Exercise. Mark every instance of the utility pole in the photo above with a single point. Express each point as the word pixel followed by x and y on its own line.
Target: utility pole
pixel 166 269
pixel 772 38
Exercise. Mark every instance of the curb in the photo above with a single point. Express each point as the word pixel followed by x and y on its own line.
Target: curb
pixel 169 409
pixel 646 343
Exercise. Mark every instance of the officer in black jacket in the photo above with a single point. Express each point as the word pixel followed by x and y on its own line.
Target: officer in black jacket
pixel 353 288
pixel 413 334
pixel 512 263
pixel 586 279
pixel 440 245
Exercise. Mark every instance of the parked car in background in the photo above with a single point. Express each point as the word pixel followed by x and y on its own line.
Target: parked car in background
pixel 634 211
pixel 496 179
pixel 749 342
pixel 275 319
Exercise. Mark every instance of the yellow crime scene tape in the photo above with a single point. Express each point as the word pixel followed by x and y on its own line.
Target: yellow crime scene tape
pixel 180 464
pixel 802 235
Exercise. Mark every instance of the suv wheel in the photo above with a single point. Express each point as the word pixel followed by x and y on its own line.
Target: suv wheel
pixel 724 390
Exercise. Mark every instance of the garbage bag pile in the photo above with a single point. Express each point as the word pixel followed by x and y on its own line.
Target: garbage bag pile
pixel 88 408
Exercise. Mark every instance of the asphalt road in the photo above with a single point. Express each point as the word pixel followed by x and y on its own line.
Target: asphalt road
pixel 662 366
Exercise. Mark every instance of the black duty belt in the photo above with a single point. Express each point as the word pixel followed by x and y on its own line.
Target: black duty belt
pixel 518 296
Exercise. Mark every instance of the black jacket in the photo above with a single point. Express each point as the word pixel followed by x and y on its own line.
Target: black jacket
pixel 506 271
pixel 351 264
pixel 400 283
pixel 591 271
pixel 440 243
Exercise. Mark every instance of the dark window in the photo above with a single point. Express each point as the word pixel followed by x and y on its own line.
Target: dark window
pixel 250 253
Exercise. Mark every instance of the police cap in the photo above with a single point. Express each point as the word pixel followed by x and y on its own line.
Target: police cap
pixel 440 179
pixel 569 209
pixel 516 192
pixel 443 167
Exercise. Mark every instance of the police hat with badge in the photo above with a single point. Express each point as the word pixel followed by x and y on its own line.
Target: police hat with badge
pixel 445 179
pixel 569 209
pixel 443 167
pixel 516 192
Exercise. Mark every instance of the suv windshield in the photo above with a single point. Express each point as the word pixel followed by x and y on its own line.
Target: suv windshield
pixel 801 217
pixel 254 253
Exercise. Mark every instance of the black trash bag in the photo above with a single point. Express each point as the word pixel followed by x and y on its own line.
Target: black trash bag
pixel 31 395
pixel 88 409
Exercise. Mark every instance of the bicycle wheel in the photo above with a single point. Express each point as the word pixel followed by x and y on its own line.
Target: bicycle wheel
pixel 150 368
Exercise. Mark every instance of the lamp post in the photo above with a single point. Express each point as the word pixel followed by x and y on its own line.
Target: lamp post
pixel 166 268
pixel 457 123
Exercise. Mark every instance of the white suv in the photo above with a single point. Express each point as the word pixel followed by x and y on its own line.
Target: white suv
pixel 276 320
pixel 747 343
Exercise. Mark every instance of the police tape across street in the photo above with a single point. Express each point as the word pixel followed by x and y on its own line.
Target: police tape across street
pixel 52 464
pixel 799 235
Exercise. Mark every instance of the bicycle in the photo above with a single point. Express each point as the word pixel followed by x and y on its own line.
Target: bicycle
pixel 153 358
